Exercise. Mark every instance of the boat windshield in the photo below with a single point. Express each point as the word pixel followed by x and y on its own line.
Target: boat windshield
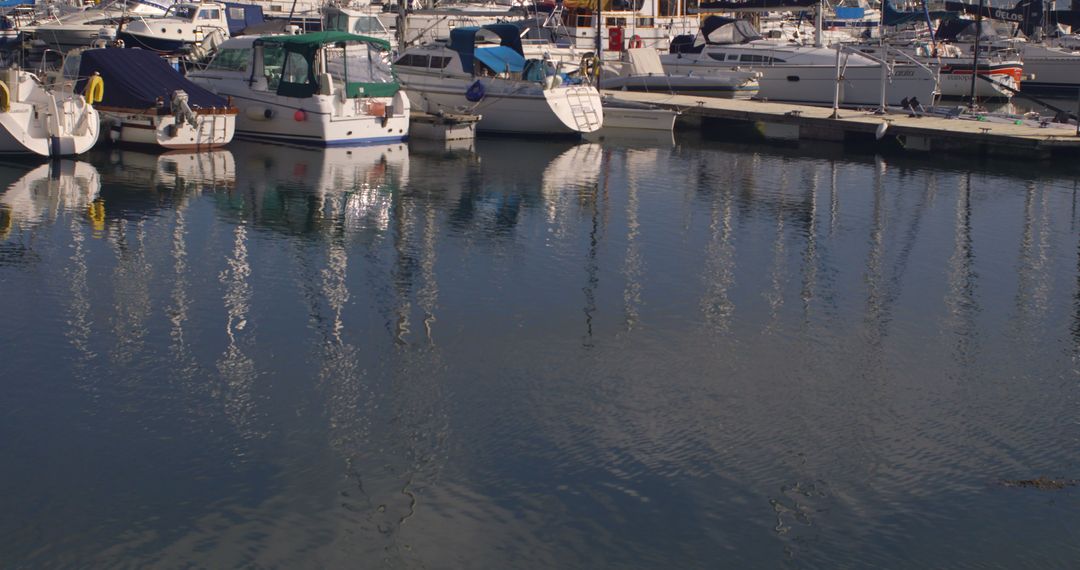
pixel 182 11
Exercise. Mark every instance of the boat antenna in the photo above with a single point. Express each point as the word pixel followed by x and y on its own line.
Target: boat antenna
pixel 975 58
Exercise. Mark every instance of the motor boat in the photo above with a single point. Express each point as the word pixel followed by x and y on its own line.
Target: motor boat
pixel 147 102
pixel 482 70
pixel 37 120
pixel 183 27
pixel 799 73
pixel 321 88
pixel 642 71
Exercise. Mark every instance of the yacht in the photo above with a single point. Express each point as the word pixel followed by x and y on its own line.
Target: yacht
pixel 321 88
pixel 641 70
pixel 80 29
pixel 42 121
pixel 184 25
pixel 484 71
pixel 799 73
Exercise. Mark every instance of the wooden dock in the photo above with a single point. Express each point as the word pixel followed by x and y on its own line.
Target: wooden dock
pixel 786 121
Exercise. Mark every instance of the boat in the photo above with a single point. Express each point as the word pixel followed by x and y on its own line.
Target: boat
pixel 482 70
pixel 642 71
pixel 80 29
pixel 320 88
pixel 184 26
pixel 147 102
pixel 355 18
pixel 799 73
pixel 42 121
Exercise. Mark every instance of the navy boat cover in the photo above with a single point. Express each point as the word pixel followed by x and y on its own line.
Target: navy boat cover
pixel 137 79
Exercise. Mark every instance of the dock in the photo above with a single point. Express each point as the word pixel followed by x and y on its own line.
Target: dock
pixel 926 133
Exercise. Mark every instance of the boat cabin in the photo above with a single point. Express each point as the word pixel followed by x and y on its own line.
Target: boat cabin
pixel 319 63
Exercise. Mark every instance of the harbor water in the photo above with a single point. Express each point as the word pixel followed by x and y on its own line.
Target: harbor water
pixel 515 353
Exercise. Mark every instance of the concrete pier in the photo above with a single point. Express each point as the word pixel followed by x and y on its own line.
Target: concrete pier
pixel 787 121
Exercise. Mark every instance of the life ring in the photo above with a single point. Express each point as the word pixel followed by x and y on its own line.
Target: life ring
pixel 95 89
pixel 635 41
pixel 5 98
pixel 475 92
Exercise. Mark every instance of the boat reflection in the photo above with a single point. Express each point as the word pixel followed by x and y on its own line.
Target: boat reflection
pixel 46 191
pixel 137 183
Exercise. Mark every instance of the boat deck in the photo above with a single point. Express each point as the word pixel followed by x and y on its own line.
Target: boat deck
pixel 927 133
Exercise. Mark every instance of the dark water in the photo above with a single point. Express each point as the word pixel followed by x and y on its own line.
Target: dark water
pixel 539 355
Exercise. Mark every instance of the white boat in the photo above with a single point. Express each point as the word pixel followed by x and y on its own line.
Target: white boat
pixel 323 88
pixel 358 18
pixel 795 72
pixel 37 120
pixel 483 71
pixel 147 102
pixel 184 26
pixel 80 29
pixel 641 23
pixel 642 71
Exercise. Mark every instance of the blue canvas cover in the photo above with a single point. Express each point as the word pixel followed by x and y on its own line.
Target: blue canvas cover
pixel 463 41
pixel 500 59
pixel 241 16
pixel 136 79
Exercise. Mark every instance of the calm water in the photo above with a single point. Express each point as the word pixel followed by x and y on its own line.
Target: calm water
pixel 538 355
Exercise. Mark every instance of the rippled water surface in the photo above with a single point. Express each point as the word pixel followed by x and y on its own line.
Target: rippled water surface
pixel 526 354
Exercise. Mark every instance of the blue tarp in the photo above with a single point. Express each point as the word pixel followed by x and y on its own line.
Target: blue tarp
pixel 500 58
pixel 137 79
pixel 463 41
pixel 12 3
pixel 849 13
pixel 241 16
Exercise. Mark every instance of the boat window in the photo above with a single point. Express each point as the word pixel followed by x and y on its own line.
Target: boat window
pixel 273 56
pixel 755 58
pixel 236 14
pixel 184 12
pixel 733 57
pixel 231 59
pixel 359 64
pixel 439 62
pixel 368 25
pixel 412 60
pixel 295 69
pixel 717 56
pixel 337 23
pixel 71 66
pixel 210 14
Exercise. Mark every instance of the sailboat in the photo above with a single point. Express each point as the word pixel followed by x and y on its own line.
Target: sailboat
pixel 42 121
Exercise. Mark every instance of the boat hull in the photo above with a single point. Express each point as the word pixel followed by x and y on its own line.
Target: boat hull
pixel 210 130
pixel 508 106
pixel 45 123
pixel 956 80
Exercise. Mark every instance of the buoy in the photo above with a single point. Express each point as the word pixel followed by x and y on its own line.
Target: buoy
pixel 300 116
pixel 475 92
pixel 95 89
pixel 880 132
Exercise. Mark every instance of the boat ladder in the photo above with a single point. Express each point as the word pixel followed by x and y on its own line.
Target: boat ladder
pixel 586 116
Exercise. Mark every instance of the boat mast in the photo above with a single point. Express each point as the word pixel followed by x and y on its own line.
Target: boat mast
pixel 975 59
pixel 818 22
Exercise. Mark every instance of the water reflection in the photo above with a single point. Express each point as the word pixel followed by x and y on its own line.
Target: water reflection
pixel 389 355
pixel 46 191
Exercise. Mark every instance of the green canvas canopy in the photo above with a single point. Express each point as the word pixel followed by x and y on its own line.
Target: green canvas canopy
pixel 353 59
